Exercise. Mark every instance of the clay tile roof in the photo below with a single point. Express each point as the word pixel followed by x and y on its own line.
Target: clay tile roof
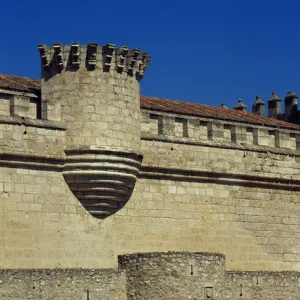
pixel 211 112
pixel 22 84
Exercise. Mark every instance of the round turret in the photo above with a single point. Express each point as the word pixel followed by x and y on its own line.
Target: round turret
pixel 95 91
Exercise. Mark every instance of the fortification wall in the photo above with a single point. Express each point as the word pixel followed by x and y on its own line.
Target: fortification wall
pixel 155 276
pixel 176 276
pixel 79 194
pixel 22 104
pixel 63 284
pixel 188 197
pixel 191 195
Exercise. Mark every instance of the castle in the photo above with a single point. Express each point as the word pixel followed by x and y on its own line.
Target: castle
pixel 106 194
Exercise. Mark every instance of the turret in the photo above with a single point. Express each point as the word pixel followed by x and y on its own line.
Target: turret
pixel 95 91
pixel 258 106
pixel 274 106
pixel 290 105
pixel 240 106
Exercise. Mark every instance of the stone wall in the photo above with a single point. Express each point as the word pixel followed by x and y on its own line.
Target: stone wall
pixel 173 276
pixel 63 284
pixel 179 276
pixel 195 130
pixel 212 196
pixel 21 104
pixel 5 104
pixel 155 276
pixel 82 185
pixel 85 177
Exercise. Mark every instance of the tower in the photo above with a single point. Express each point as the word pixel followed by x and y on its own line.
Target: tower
pixel 95 91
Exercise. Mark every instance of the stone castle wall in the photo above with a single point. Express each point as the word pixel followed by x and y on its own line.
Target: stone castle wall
pixel 63 284
pixel 175 276
pixel 169 276
pixel 85 179
pixel 189 196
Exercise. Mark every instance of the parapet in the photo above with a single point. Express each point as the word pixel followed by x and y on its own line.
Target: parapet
pixel 108 57
pixel 195 124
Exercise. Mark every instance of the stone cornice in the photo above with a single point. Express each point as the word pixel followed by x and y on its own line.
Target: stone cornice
pixel 40 123
pixel 216 144
pixel 12 92
pixel 56 163
pixel 31 161
pixel 163 173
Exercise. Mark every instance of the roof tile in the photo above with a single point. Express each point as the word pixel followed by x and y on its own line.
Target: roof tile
pixel 212 112
pixel 24 84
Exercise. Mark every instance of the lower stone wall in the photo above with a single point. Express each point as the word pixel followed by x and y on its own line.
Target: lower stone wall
pixel 261 285
pixel 179 276
pixel 171 276
pixel 69 284
pixel 151 276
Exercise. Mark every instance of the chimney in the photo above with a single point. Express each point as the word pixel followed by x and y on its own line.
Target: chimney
pixel 223 105
pixel 240 106
pixel 258 106
pixel 274 106
pixel 290 104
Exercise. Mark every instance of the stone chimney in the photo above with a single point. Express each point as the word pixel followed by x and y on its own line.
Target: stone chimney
pixel 95 91
pixel 274 106
pixel 223 105
pixel 258 106
pixel 290 104
pixel 240 106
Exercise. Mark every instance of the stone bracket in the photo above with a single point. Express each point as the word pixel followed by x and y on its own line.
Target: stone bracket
pixel 91 56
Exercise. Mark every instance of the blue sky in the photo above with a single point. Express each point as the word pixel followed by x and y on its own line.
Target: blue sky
pixel 202 51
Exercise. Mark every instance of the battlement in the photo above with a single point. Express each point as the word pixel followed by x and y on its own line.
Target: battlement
pixel 106 58
pixel 205 131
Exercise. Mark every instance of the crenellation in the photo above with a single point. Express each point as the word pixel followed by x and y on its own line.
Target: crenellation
pixel 194 129
pixel 5 100
pixel 181 127
pixel 273 138
pixel 197 129
pixel 121 54
pixel 75 54
pixel 143 63
pixel 167 125
pixel 215 131
pixel 107 52
pixel 58 56
pixel 239 135
pixel 20 106
pixel 132 58
pixel 228 133
pixel 263 137
pixel 156 124
pixel 44 55
pixel 91 55
pixel 297 138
